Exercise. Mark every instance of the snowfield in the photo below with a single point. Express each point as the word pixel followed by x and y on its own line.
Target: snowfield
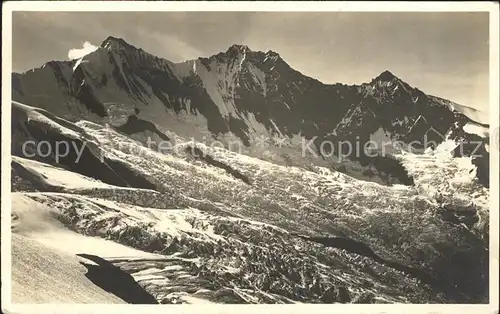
pixel 230 228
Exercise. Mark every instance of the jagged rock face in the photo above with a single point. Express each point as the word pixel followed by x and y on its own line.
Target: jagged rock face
pixel 239 92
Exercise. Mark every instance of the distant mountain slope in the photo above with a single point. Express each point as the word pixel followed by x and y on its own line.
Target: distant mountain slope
pixel 240 95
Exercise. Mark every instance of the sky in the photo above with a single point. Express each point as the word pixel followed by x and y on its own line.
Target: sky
pixel 442 53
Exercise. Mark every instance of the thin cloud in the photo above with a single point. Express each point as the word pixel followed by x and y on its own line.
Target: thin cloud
pixel 77 53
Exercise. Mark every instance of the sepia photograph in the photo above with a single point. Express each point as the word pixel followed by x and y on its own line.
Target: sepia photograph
pixel 260 154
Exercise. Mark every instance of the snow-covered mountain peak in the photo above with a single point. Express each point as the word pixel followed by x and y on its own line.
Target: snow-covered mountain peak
pixel 273 54
pixel 238 49
pixel 113 43
pixel 387 86
pixel 386 76
pixel 243 54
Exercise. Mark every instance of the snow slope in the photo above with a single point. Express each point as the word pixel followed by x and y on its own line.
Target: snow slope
pixel 43 274
pixel 45 268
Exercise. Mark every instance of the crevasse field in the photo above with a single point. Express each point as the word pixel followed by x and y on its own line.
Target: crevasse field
pixel 237 229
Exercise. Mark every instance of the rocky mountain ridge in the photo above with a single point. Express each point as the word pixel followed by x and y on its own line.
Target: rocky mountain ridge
pixel 240 95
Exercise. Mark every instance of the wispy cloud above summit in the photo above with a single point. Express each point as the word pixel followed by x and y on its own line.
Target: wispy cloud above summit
pixel 77 53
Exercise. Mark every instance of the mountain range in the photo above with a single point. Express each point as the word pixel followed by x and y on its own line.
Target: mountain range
pixel 239 95
pixel 261 224
pixel 231 85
